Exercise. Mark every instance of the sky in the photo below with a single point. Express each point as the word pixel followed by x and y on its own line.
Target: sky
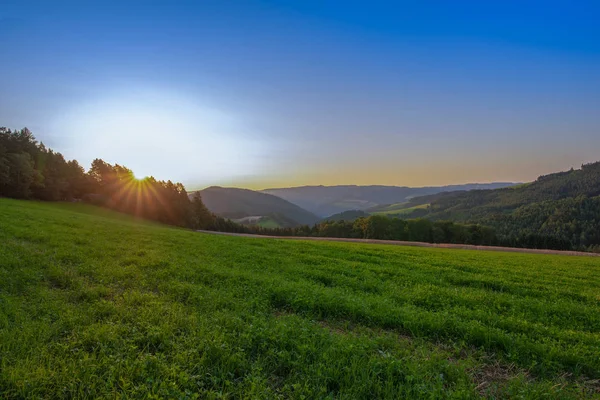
pixel 262 94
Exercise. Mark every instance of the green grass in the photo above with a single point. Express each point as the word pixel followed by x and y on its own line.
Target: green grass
pixel 397 209
pixel 95 304
pixel 268 222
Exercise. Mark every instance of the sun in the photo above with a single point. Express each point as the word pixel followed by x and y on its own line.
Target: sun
pixel 165 135
pixel 137 178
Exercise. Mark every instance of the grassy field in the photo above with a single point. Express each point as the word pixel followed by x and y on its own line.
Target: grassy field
pixel 95 304
pixel 264 221
pixel 396 210
pixel 269 222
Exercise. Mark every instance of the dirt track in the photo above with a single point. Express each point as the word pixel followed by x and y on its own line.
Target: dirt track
pixel 415 244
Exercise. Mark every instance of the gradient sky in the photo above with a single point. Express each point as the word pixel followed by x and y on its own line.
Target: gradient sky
pixel 282 93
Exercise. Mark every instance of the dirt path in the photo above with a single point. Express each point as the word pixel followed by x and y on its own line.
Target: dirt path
pixel 415 244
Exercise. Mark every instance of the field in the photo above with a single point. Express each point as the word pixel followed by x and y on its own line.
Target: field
pixel 396 210
pixel 264 221
pixel 95 304
pixel 268 222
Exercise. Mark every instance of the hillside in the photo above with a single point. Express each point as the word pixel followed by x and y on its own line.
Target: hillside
pixel 563 204
pixel 236 203
pixel 329 200
pixel 350 215
pixel 97 304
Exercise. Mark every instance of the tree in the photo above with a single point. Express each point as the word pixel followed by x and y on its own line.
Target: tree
pixel 22 175
pixel 201 217
pixel 4 168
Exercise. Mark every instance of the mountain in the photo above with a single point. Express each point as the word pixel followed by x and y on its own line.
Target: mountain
pixel 564 205
pixel 236 203
pixel 328 200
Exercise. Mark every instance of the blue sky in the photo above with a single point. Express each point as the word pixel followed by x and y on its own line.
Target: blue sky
pixel 264 93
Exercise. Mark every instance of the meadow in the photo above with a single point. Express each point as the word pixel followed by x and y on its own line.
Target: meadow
pixel 97 304
pixel 398 209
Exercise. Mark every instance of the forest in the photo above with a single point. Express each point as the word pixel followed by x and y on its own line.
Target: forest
pixel 29 170
pixel 562 207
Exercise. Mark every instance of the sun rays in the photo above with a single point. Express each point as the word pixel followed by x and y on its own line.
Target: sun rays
pixel 142 197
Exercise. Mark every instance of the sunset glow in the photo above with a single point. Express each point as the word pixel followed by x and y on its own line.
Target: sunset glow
pixel 254 95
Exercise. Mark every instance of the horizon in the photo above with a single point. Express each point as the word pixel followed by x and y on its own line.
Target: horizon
pixel 351 185
pixel 262 95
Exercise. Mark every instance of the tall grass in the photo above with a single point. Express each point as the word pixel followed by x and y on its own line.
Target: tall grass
pixel 95 304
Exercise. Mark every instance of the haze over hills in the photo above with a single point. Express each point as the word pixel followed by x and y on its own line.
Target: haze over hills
pixel 328 200
pixel 562 207
pixel 236 204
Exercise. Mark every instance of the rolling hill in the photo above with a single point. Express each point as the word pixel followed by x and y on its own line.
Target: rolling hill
pixel 349 215
pixel 327 200
pixel 564 204
pixel 98 304
pixel 236 204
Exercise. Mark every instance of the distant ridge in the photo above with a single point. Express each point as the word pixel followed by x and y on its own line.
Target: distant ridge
pixel 328 200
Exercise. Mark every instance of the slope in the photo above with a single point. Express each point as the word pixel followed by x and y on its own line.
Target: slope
pixel 564 204
pixel 350 215
pixel 95 304
pixel 239 203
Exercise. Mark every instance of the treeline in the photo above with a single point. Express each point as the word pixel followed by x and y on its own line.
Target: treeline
pixel 415 230
pixel 384 228
pixel 29 170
